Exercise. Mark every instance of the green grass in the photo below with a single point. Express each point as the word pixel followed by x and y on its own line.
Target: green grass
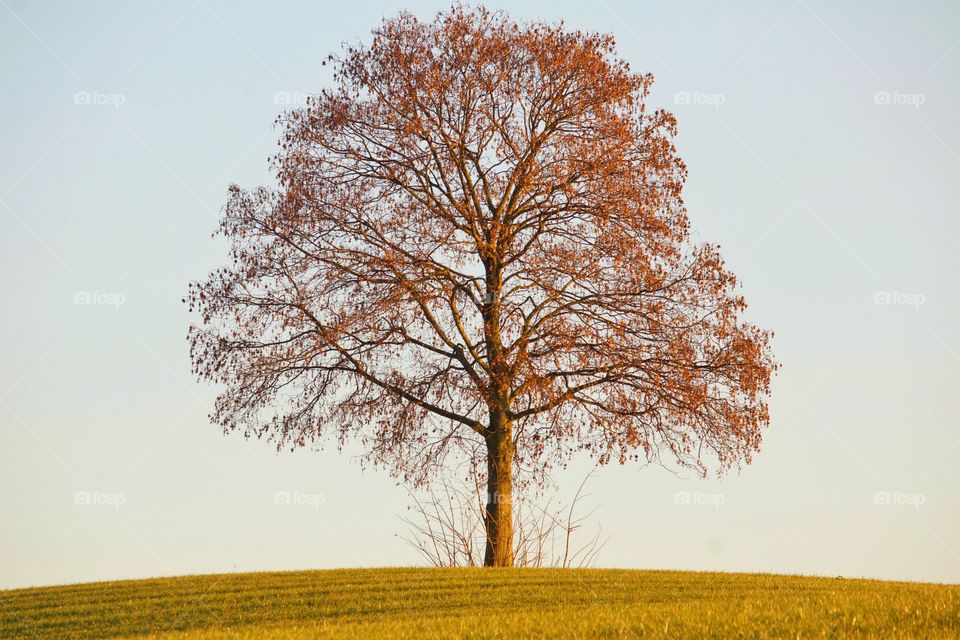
pixel 484 603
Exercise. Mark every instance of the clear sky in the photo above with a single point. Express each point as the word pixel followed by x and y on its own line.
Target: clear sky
pixel 823 145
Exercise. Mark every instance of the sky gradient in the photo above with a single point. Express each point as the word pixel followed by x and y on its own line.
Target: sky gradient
pixel 823 148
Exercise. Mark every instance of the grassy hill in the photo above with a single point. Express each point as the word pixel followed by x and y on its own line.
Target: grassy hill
pixel 478 603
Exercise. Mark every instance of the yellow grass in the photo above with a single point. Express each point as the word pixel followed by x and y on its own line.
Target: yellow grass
pixel 484 603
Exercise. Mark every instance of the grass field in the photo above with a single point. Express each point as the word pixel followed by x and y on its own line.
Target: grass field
pixel 479 603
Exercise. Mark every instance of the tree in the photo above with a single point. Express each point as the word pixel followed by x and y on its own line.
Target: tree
pixel 478 246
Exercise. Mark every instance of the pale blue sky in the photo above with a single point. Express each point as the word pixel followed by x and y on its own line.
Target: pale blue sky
pixel 823 146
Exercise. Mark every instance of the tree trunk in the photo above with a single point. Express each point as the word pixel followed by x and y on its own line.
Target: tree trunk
pixel 498 519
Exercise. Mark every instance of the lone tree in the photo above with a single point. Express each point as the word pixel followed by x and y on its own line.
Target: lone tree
pixel 478 244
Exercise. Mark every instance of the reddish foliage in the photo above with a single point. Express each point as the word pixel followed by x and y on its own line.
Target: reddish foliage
pixel 480 230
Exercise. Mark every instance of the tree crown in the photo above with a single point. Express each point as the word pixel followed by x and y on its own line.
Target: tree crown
pixel 480 218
